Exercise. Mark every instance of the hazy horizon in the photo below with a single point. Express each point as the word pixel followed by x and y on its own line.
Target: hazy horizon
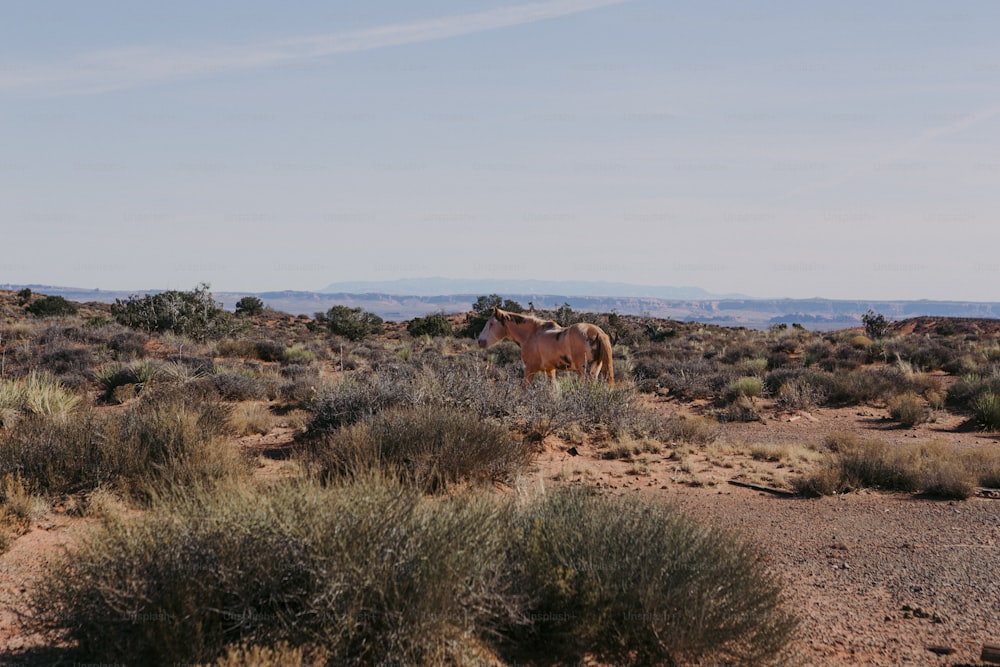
pixel 775 150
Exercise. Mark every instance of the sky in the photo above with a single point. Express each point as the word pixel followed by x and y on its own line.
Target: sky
pixel 845 150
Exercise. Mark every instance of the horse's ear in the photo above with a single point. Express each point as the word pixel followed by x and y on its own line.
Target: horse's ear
pixel 497 313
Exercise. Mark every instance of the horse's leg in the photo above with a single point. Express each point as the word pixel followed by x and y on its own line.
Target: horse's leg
pixel 551 375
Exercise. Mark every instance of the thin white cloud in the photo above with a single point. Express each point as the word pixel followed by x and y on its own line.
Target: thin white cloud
pixel 904 151
pixel 116 69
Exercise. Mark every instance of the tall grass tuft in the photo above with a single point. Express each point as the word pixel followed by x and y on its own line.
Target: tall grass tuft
pixel 37 393
pixel 986 411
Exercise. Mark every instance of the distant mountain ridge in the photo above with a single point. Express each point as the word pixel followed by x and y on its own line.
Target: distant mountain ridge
pixel 447 286
pixel 825 314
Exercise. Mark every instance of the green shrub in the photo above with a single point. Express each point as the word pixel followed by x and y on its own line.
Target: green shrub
pixel 630 583
pixel 51 306
pixel 351 323
pixel 193 314
pixel 746 387
pixel 876 324
pixel 123 381
pixel 249 306
pixel 431 325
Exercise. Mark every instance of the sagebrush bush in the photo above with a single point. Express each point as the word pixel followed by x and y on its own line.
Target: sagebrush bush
pixel 631 583
pixel 433 447
pixel 369 572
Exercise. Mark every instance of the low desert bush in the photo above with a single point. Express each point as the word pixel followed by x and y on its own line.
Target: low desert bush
pixel 630 583
pixel 369 572
pixel 433 447
pixel 746 387
pixel 373 573
pixel 239 385
pixel 354 398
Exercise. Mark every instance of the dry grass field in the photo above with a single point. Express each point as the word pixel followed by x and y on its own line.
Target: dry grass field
pixel 181 485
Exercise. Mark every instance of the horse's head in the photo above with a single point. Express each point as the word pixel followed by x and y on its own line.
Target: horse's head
pixel 495 329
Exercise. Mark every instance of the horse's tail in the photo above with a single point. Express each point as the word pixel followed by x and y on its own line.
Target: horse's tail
pixel 605 351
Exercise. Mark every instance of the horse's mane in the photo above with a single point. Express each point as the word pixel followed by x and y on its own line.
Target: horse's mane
pixel 544 324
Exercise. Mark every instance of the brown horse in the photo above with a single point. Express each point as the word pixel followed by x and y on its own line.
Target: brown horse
pixel 547 347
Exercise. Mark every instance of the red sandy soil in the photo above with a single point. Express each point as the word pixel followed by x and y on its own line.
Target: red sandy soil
pixel 877 579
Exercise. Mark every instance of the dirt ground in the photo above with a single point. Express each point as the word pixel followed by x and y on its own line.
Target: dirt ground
pixel 877 579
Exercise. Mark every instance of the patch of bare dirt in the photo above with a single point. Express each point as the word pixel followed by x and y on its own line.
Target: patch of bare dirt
pixel 876 579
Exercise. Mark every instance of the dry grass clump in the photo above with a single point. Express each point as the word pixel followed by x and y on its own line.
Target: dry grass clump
pixel 251 419
pixel 170 435
pixel 19 507
pixel 931 468
pixel 434 447
pixel 908 409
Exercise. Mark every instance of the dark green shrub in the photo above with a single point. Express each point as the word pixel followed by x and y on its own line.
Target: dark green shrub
pixel 351 323
pixel 269 350
pixel 631 583
pixel 876 324
pixel 482 310
pixel 249 306
pixel 51 306
pixel 193 314
pixel 431 325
